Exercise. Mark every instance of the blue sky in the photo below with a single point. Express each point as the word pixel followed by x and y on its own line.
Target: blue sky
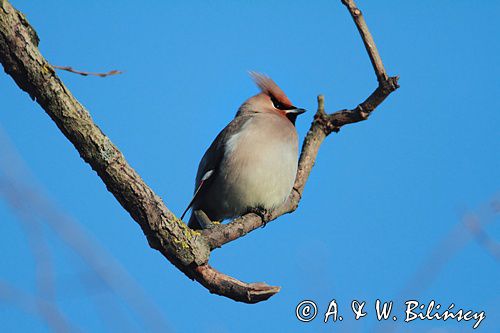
pixel 381 216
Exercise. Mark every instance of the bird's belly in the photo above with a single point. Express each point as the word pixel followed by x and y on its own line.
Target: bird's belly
pixel 261 178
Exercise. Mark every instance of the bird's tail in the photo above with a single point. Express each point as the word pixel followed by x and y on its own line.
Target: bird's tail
pixel 193 222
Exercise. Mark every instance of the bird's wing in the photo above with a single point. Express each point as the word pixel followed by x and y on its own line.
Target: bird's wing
pixel 206 176
pixel 210 162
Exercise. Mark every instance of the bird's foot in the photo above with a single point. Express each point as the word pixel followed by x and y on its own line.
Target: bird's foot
pixel 263 213
pixel 203 220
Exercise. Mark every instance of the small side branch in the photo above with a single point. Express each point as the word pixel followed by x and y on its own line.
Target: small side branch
pixel 367 38
pixel 72 70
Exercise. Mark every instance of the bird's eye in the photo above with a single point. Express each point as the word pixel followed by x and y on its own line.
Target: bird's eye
pixel 277 104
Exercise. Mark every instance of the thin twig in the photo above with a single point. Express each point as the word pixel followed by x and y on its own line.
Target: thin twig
pixel 370 46
pixel 72 70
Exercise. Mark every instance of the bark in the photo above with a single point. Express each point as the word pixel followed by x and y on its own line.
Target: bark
pixel 187 249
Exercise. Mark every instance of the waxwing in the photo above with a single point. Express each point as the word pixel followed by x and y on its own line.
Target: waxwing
pixel 252 163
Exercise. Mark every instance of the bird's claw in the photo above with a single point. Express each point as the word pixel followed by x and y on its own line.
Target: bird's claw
pixel 264 214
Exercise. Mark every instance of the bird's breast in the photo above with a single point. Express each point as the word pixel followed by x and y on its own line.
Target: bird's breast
pixel 259 165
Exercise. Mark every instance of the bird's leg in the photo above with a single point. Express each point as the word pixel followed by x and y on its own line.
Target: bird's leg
pixel 264 214
pixel 203 220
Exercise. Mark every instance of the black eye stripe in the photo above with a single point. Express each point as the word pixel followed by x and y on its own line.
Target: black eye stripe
pixel 278 105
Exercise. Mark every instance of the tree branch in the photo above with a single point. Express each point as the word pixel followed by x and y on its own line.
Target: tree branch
pixel 367 38
pixel 187 249
pixel 22 60
pixel 322 125
pixel 72 70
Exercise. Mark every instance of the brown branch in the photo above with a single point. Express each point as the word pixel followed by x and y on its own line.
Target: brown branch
pixel 188 250
pixel 240 291
pixel 367 38
pixel 184 248
pixel 72 70
pixel 322 125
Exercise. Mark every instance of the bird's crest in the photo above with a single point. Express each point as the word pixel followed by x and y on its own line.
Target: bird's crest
pixel 269 87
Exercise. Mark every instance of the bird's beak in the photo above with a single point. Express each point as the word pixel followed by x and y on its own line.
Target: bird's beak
pixel 293 112
pixel 296 111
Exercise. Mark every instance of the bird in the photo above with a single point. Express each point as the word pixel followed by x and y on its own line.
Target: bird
pixel 252 163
